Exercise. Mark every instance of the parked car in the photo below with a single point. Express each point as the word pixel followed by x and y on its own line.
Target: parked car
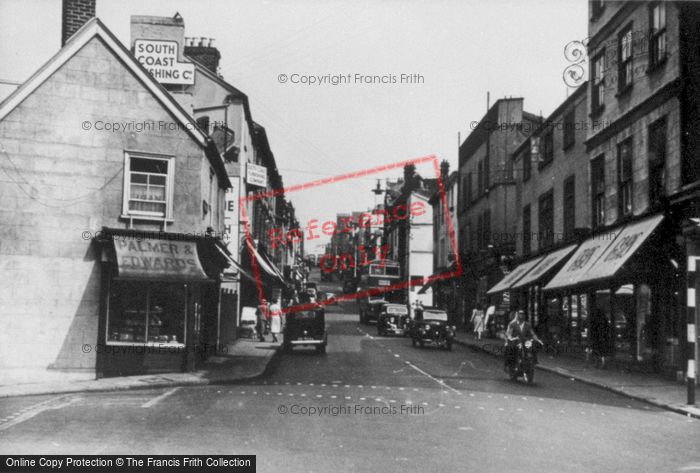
pixel 430 325
pixel 370 308
pixel 393 319
pixel 306 328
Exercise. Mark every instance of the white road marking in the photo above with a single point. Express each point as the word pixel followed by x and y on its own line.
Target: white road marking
pixel 36 409
pixel 157 399
pixel 440 382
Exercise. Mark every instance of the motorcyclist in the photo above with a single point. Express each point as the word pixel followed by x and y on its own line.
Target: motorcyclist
pixel 519 330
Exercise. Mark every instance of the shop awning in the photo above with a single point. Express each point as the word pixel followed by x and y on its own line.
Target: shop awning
pixel 514 276
pixel 574 271
pixel 235 269
pixel 622 248
pixel 544 266
pixel 265 265
pixel 161 260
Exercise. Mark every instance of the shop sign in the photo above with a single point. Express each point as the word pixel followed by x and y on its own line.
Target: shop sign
pixel 256 175
pixel 158 259
pixel 160 58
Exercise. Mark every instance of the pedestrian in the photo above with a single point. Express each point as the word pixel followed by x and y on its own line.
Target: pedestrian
pixel 600 338
pixel 275 320
pixel 488 318
pixel 260 323
pixel 478 322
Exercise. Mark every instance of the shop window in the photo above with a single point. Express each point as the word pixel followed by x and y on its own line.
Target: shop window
pixel 624 56
pixel 657 161
pixel 546 220
pixel 569 206
pixel 148 186
pixel 657 35
pixel 143 313
pixel 598 191
pixel 598 83
pixel 569 128
pixel 624 183
pixel 527 230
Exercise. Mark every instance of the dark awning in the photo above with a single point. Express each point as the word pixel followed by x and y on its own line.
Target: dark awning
pixel 159 260
pixel 235 270
pixel 513 277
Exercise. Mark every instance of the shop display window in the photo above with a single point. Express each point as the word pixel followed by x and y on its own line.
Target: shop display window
pixel 146 313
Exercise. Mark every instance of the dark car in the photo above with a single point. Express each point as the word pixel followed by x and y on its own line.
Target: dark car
pixel 393 319
pixel 306 328
pixel 370 308
pixel 430 325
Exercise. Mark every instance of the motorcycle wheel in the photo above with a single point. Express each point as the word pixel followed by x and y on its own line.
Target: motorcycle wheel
pixel 513 374
pixel 413 341
pixel 448 346
pixel 529 374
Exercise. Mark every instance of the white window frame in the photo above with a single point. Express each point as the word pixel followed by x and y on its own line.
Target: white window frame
pixel 169 186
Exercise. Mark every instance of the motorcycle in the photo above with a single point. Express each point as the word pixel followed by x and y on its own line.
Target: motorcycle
pixel 525 361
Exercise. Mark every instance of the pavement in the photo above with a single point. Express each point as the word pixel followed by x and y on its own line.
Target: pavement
pixel 245 359
pixel 645 387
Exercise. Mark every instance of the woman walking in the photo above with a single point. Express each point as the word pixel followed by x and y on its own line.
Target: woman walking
pixel 478 320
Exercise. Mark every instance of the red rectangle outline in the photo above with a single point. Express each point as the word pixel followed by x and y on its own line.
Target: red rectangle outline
pixel 342 177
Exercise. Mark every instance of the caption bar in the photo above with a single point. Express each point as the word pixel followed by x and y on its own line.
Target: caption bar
pixel 40 463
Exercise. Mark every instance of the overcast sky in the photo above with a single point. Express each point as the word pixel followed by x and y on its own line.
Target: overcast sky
pixel 462 49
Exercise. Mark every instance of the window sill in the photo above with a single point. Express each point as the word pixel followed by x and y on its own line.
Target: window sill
pixel 146 217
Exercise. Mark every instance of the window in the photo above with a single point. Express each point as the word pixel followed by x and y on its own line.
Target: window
pixel 548 151
pixel 480 178
pixel 546 220
pixel 598 191
pixel 480 231
pixel 487 228
pixel 569 206
pixel 657 35
pixel 527 163
pixel 527 230
pixel 657 160
pixel 148 186
pixel 597 7
pixel 624 55
pixel 569 128
pixel 146 313
pixel 598 83
pixel 624 181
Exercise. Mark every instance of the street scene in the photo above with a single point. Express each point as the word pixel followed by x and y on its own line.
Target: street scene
pixel 294 236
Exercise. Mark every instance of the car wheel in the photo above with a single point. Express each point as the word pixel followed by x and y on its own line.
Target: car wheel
pixel 421 343
pixel 321 349
pixel 448 346
pixel 413 341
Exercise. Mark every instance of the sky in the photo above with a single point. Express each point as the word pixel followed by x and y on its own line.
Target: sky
pixel 462 49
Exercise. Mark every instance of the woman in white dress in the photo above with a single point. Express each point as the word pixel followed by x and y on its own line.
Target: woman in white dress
pixel 275 320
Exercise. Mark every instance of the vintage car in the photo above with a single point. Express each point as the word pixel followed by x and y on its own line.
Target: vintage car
pixel 393 320
pixel 430 325
pixel 306 328
pixel 370 308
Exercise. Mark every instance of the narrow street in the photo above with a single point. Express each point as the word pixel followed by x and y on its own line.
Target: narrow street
pixel 440 409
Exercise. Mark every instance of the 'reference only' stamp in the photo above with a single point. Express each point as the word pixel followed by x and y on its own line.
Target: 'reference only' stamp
pixel 316 227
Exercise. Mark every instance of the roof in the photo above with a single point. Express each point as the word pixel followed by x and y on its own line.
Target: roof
pixel 95 28
pixel 557 111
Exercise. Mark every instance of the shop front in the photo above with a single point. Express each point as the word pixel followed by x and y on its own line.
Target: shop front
pixel 159 304
pixel 619 294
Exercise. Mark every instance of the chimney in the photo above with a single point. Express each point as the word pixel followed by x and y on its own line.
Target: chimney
pixel 161 28
pixel 75 14
pixel 203 51
pixel 444 171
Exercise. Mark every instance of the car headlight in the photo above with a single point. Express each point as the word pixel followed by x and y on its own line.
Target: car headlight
pixel 528 344
pixel 427 327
